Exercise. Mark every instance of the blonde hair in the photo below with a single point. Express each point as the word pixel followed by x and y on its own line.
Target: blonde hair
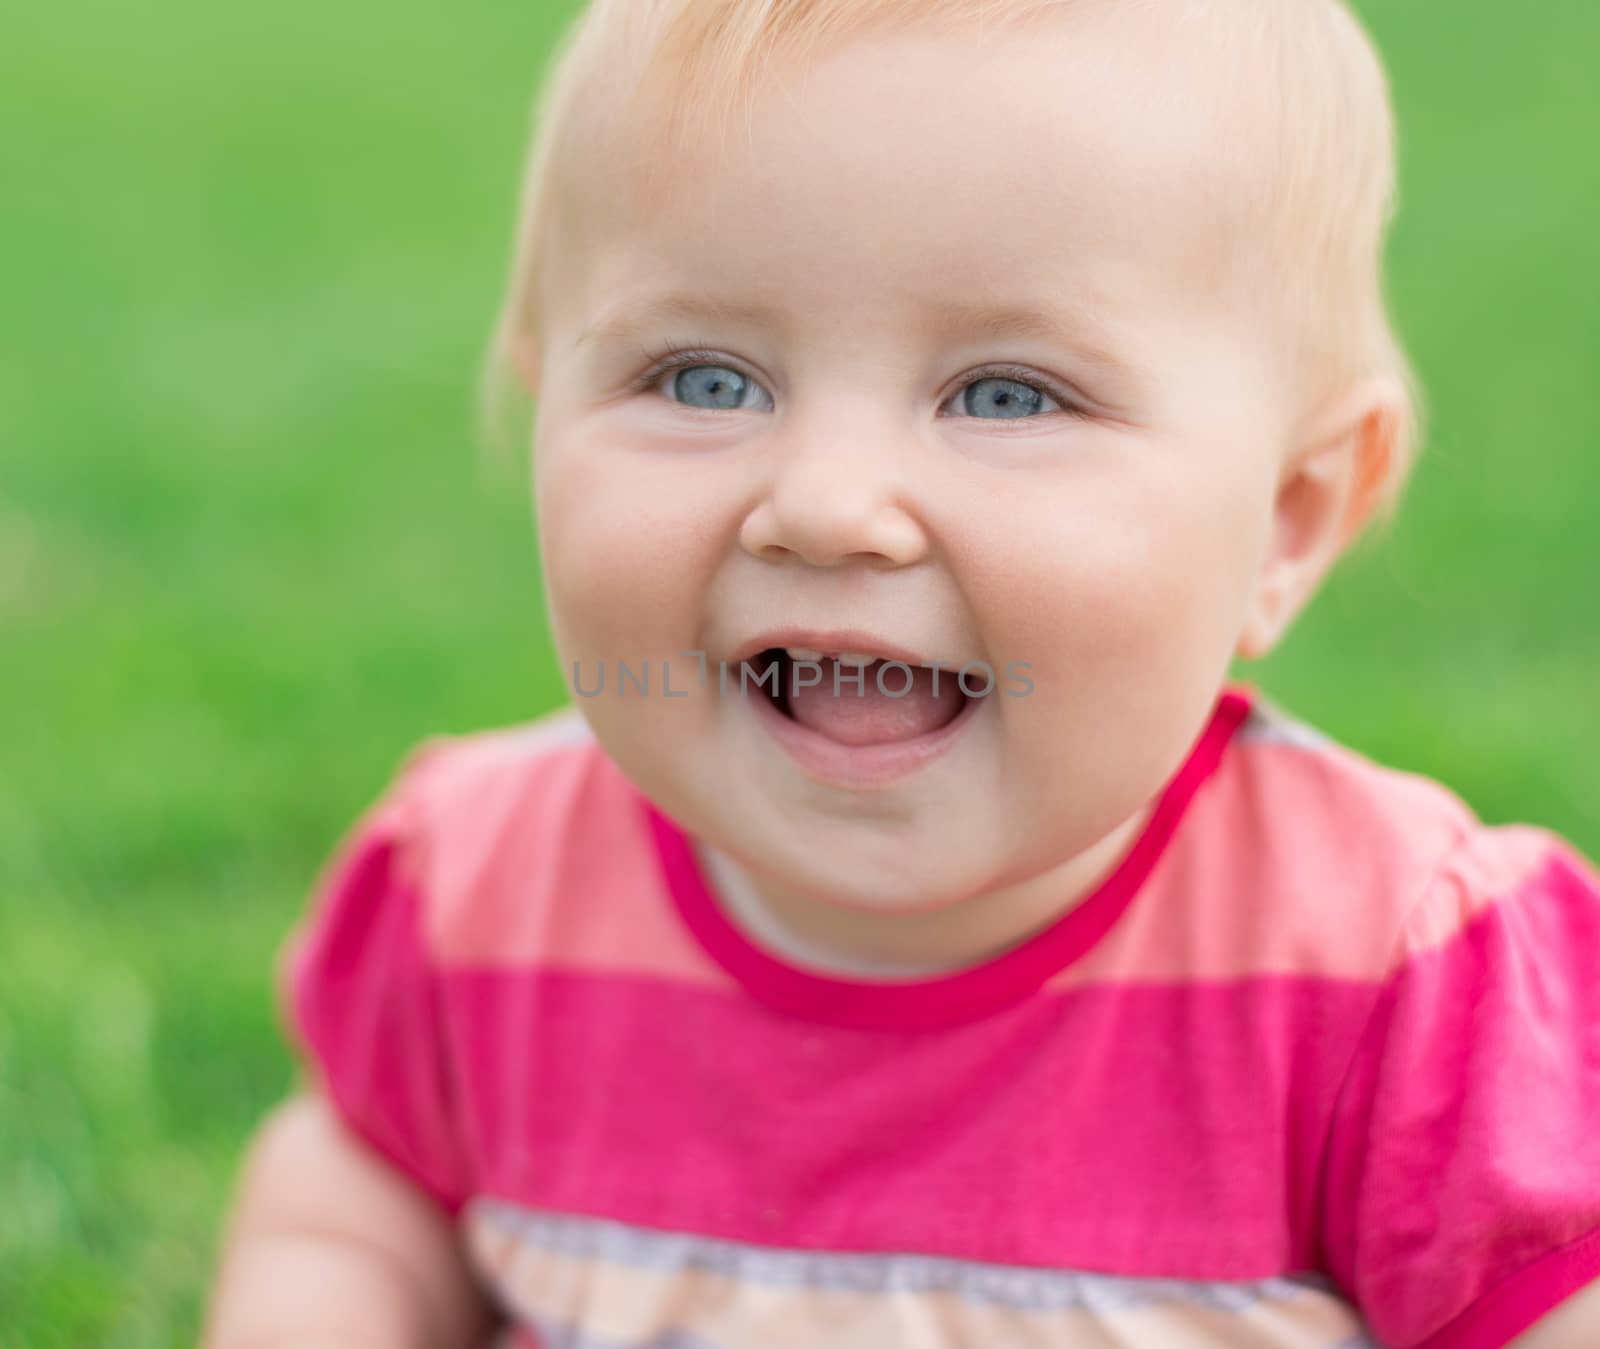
pixel 1308 77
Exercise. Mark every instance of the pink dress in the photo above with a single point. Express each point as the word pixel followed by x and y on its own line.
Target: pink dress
pixel 1318 1065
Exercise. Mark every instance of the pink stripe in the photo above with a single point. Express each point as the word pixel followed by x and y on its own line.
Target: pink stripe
pixel 1183 1138
pixel 519 830
pixel 1302 861
pixel 974 992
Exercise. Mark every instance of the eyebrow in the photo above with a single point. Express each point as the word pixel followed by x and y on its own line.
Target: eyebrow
pixel 629 321
pixel 1075 328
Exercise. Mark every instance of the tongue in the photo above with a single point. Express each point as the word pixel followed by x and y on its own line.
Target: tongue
pixel 869 716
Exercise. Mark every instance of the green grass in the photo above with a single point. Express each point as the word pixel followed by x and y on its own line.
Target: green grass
pixel 249 552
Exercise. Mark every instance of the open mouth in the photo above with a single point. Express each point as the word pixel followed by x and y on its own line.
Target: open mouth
pixel 856 700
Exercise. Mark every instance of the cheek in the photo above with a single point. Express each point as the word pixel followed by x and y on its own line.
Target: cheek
pixel 616 546
pixel 1138 578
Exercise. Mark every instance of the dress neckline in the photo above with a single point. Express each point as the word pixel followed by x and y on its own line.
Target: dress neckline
pixel 959 996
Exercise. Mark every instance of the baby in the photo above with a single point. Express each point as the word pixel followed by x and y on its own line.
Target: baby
pixel 909 936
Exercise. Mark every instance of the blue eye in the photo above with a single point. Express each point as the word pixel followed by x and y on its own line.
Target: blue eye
pixel 1006 399
pixel 714 387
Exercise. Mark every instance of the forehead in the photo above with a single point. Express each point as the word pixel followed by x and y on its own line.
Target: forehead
pixel 1083 158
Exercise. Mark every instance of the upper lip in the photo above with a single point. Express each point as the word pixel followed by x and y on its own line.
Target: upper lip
pixel 831 642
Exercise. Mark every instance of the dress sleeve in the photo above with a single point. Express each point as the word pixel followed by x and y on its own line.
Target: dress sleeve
pixel 1461 1198
pixel 359 997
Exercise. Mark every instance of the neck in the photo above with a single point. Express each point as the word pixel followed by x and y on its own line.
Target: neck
pixel 852 941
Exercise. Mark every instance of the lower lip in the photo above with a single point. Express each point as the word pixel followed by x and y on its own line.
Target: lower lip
pixel 861 765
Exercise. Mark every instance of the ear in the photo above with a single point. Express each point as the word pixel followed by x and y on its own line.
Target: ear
pixel 525 356
pixel 1332 480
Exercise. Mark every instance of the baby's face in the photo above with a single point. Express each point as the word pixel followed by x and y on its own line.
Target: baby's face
pixel 973 389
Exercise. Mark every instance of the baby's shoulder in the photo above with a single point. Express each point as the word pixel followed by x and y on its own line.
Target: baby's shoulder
pixel 497 824
pixel 1307 794
pixel 1390 860
pixel 473 783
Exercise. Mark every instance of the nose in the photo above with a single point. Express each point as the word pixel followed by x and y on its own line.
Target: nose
pixel 833 499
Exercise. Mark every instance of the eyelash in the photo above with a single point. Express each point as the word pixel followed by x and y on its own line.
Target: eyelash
pixel 665 360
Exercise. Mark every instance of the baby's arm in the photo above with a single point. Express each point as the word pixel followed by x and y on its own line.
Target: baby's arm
pixel 329 1247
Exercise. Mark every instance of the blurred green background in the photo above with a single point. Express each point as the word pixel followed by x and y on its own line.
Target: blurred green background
pixel 250 551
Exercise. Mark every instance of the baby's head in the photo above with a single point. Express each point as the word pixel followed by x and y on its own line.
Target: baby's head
pixel 1015 332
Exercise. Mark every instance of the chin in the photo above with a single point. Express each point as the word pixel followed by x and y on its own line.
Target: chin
pixel 896 889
